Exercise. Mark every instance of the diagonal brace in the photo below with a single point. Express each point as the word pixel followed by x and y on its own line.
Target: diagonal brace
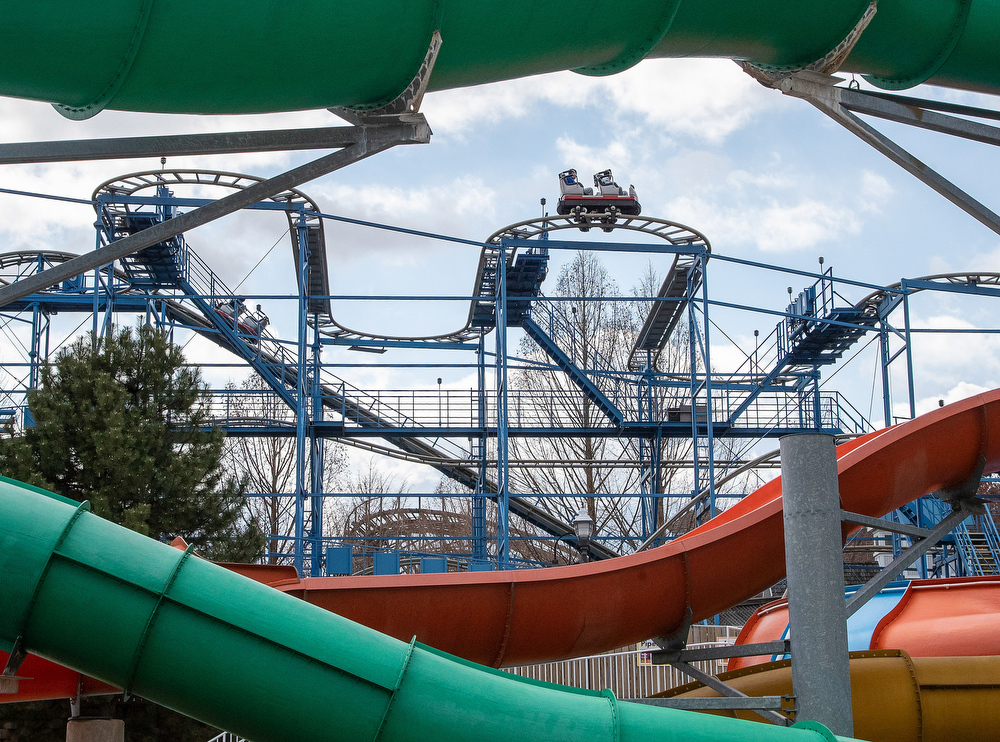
pixel 9 676
pixel 373 137
pixel 884 525
pixel 821 92
pixel 963 510
pixel 717 685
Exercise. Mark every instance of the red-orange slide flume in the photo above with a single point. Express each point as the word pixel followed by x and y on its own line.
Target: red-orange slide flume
pixel 509 618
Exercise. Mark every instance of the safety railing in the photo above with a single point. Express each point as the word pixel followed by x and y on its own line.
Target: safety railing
pixel 413 409
pixel 228 737
pixel 629 673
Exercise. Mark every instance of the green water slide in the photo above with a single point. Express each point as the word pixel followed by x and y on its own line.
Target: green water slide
pixel 242 56
pixel 197 638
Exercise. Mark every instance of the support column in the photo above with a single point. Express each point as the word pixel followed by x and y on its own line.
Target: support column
pixel 480 449
pixel 821 674
pixel 303 558
pixel 83 729
pixel 503 499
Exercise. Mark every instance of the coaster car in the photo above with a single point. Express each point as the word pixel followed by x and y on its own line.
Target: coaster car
pixel 606 197
pixel 248 324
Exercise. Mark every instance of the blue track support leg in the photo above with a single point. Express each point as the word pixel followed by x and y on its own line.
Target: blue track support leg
pixel 503 494
pixel 302 457
pixel 317 461
pixel 480 448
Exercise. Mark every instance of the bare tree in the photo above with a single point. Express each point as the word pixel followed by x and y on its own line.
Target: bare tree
pixel 596 471
pixel 268 462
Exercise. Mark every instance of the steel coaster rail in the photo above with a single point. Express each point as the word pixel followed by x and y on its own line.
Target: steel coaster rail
pixel 675 234
pixel 341 402
pixel 364 141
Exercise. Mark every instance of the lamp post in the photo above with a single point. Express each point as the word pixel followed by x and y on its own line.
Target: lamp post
pixel 583 526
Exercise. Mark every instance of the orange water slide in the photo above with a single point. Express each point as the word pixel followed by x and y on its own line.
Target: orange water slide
pixel 953 617
pixel 517 617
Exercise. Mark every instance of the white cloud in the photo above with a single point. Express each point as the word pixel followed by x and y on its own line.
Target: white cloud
pixel 875 191
pixel 705 99
pixel 444 208
pixel 589 159
pixel 960 391
pixel 708 100
pixel 769 209
pixel 958 261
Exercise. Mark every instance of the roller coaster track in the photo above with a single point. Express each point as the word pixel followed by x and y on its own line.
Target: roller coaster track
pixel 279 366
pixel 884 300
pixel 482 307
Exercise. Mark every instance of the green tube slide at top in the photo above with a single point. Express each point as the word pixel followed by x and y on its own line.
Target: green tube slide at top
pixel 194 637
pixel 246 56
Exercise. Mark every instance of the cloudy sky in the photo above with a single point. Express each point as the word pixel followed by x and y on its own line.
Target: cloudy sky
pixel 766 178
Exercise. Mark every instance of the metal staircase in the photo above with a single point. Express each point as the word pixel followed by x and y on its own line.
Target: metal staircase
pixel 815 333
pixel 565 362
pixel 979 545
pixel 975 540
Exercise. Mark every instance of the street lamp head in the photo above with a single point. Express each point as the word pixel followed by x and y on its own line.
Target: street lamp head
pixel 583 526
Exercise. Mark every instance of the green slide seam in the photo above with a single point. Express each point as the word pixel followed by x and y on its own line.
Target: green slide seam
pixel 141 644
pixel 104 99
pixel 615 725
pixel 215 619
pixel 506 628
pixel 437 16
pixel 631 57
pixel 815 726
pixel 82 507
pixel 965 8
pixel 392 693
pixel 799 66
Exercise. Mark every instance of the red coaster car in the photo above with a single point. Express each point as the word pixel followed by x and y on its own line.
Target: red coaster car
pixel 606 197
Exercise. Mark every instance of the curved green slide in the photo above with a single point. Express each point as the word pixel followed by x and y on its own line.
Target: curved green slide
pixel 195 637
pixel 243 56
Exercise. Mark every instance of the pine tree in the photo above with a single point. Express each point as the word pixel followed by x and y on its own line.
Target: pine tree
pixel 122 422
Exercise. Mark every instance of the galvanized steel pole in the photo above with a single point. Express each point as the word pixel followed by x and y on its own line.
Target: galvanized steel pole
pixel 821 675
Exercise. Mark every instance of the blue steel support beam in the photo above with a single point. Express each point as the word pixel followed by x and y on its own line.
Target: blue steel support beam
pixel 479 552
pixel 317 450
pixel 302 526
pixel 707 356
pixel 503 470
pixel 578 376
pixel 909 350
pixel 650 451
pixel 883 343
